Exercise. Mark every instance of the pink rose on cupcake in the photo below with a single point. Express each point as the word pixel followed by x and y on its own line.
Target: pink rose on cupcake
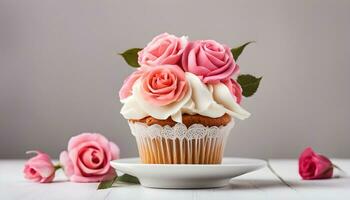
pixel 164 84
pixel 209 60
pixel 39 168
pixel 87 158
pixel 163 49
pixel 235 89
pixel 126 89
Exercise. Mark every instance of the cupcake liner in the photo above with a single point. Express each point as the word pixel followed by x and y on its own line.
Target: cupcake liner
pixel 197 144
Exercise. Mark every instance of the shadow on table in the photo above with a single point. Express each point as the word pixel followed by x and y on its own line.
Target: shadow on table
pixel 237 184
pixel 339 182
pixel 251 184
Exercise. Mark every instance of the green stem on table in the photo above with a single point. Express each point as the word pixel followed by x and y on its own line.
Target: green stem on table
pixel 278 176
pixel 338 168
pixel 57 166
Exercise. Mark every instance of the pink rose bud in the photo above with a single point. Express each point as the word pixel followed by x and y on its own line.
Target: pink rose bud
pixel 87 158
pixel 126 89
pixel 211 61
pixel 235 89
pixel 39 168
pixel 314 166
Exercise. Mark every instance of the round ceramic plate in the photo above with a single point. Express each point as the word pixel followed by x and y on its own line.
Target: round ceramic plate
pixel 187 175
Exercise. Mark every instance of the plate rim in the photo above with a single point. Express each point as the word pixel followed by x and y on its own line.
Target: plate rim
pixel 258 162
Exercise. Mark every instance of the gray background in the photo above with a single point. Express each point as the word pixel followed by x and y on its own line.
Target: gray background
pixel 60 72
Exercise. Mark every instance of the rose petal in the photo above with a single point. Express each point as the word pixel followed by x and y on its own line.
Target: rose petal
pixel 66 163
pixel 87 137
pixel 126 89
pixel 163 49
pixel 108 176
pixel 114 150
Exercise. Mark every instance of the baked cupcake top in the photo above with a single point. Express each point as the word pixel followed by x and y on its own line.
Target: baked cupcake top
pixel 176 76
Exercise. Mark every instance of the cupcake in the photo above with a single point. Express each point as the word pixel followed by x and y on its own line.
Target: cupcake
pixel 182 101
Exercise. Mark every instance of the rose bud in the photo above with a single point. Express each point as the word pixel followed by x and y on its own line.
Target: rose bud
pixel 314 166
pixel 126 89
pixel 235 89
pixel 39 168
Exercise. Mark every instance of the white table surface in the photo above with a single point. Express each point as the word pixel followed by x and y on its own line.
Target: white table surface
pixel 261 184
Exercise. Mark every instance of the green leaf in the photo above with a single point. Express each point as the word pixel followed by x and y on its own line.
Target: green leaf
pixel 126 178
pixel 130 56
pixel 236 52
pixel 249 84
pixel 119 180
pixel 106 184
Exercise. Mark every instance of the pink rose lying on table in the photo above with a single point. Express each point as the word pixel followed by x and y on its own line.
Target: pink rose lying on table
pixel 39 168
pixel 87 158
pixel 163 49
pixel 209 60
pixel 314 166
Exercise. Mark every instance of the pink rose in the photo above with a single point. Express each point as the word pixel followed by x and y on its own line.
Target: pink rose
pixel 39 168
pixel 314 166
pixel 209 60
pixel 126 89
pixel 164 84
pixel 163 49
pixel 235 89
pixel 87 158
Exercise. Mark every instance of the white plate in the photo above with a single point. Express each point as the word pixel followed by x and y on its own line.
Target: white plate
pixel 187 176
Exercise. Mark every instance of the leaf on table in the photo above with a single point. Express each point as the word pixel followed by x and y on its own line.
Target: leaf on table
pixel 106 184
pixel 127 178
pixel 123 180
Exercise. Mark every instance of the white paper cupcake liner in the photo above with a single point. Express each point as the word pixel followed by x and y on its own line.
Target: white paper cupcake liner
pixel 197 144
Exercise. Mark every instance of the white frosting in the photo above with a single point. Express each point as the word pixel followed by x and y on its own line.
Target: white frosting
pixel 213 100
pixel 136 107
pixel 184 40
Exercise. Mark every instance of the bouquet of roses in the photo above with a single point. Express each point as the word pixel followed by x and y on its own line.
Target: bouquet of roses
pixel 209 60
